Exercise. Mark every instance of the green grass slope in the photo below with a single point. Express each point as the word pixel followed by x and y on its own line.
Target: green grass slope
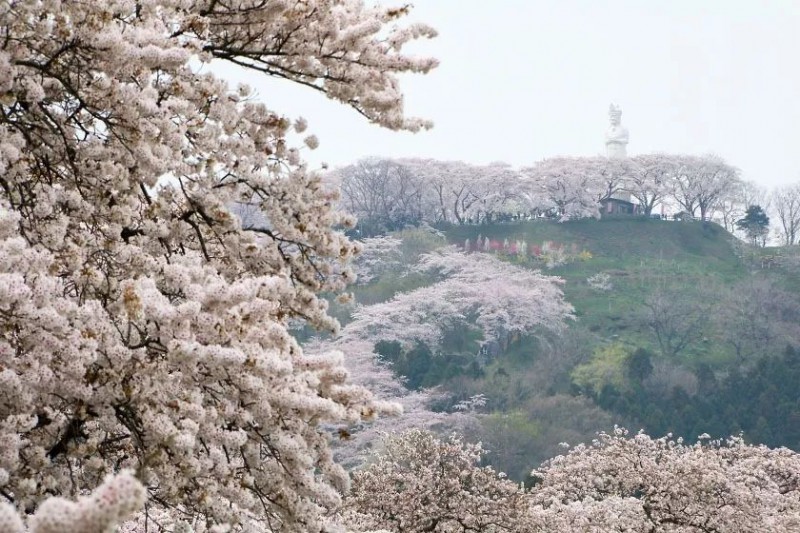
pixel 639 255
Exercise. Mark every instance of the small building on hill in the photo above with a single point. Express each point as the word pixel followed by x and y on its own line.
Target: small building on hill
pixel 618 206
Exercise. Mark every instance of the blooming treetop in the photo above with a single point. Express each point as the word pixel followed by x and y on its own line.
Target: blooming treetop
pixel 384 194
pixel 652 179
pixel 377 255
pixel 408 409
pixel 420 483
pixel 503 299
pixel 462 191
pixel 407 318
pixel 611 174
pixel 568 185
pixel 140 326
pixel 641 484
pixel 497 187
pixel 111 503
pixel 701 182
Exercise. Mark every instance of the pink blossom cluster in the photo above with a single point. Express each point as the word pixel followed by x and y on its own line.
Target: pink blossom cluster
pixel 638 483
pixel 101 512
pixel 499 298
pixel 550 253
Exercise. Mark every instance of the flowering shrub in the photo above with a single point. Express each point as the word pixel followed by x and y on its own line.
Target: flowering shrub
pixel 549 254
pixel 600 282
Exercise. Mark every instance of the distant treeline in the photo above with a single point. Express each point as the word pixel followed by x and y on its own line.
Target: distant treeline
pixel 390 194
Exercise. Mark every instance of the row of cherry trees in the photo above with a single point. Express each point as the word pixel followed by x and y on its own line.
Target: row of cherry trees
pixel 391 193
pixel 618 482
pixel 418 482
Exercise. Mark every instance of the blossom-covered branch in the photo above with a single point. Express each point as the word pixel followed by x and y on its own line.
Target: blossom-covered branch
pixel 141 326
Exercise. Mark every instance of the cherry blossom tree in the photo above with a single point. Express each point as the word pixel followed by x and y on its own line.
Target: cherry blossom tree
pixel 617 483
pixel 141 327
pixel 650 179
pixel 418 316
pixel 501 299
pixel 641 484
pixel 682 187
pixel 453 183
pixel 376 256
pixel 419 483
pixel 405 409
pixel 570 186
pixel 498 187
pixel 786 206
pixel 464 192
pixel 701 182
pixel 384 194
pixel 611 175
pixel 715 178
pixel 731 206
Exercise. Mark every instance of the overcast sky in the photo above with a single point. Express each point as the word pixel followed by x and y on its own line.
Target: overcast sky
pixel 521 80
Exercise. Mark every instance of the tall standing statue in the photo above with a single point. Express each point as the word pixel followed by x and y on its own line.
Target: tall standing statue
pixel 617 134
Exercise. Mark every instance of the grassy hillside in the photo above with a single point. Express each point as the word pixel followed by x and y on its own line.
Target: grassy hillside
pixel 640 256
pixel 690 249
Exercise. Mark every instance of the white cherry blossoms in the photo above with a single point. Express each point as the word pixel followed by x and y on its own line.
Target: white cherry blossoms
pixel 141 327
pixel 110 504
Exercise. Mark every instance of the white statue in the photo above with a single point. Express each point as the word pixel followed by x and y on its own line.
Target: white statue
pixel 617 134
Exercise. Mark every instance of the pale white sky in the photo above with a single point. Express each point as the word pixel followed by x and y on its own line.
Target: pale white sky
pixel 521 80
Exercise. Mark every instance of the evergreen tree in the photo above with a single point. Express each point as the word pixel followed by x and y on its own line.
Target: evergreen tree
pixel 755 224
